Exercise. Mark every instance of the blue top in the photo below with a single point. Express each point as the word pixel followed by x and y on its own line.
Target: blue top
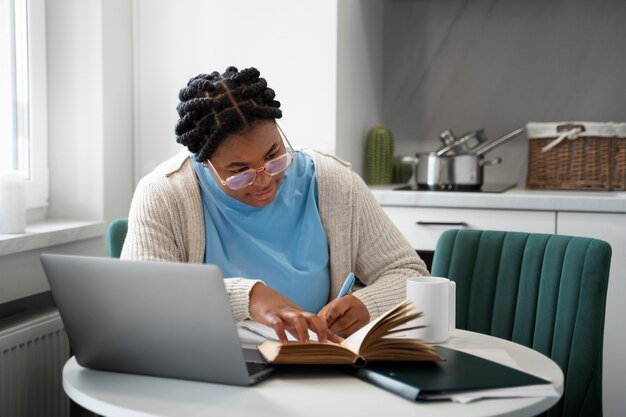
pixel 282 244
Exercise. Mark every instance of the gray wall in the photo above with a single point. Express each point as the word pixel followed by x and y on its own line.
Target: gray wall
pixel 499 64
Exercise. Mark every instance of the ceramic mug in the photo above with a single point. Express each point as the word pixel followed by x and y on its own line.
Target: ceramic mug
pixel 436 298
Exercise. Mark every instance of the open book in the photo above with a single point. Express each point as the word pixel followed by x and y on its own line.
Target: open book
pixel 370 343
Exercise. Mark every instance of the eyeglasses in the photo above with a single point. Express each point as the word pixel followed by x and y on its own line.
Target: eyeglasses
pixel 272 167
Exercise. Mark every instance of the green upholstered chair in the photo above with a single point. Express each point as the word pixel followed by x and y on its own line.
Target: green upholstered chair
pixel 116 233
pixel 547 292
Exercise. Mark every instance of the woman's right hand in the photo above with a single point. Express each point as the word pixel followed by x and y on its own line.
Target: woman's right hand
pixel 274 310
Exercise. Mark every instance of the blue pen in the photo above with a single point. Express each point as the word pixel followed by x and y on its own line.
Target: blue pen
pixel 347 285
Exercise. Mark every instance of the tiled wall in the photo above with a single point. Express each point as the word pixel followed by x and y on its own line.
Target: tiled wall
pixel 499 64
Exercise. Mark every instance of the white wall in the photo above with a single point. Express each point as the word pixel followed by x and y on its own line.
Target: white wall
pixel 117 108
pixel 292 43
pixel 21 274
pixel 75 136
pixel 359 76
pixel 90 108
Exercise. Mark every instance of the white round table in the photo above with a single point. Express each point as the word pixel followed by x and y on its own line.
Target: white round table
pixel 315 393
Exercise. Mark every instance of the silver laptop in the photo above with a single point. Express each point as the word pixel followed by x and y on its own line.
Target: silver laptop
pixel 151 318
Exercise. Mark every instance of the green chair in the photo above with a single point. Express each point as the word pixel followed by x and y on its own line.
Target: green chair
pixel 116 233
pixel 547 292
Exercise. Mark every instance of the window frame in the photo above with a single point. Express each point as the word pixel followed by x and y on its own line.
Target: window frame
pixel 37 187
pixel 28 38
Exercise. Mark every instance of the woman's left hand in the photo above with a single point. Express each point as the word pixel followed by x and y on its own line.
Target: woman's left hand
pixel 345 315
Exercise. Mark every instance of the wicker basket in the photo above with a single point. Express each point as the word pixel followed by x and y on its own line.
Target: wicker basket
pixel 574 156
pixel 618 153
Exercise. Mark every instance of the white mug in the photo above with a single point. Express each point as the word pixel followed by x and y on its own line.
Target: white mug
pixel 436 298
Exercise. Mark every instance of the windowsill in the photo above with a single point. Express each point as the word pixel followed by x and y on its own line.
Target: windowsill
pixel 46 233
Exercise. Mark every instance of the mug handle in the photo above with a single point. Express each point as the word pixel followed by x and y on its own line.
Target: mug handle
pixel 452 317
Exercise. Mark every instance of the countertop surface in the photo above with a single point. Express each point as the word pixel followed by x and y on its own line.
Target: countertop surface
pixel 513 199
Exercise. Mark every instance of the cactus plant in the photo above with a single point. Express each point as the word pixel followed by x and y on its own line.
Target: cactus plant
pixel 401 171
pixel 378 155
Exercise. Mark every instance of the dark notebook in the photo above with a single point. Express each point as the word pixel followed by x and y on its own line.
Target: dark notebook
pixel 460 372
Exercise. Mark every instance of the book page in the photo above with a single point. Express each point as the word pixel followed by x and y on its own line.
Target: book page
pixel 387 324
pixel 269 333
pixel 356 339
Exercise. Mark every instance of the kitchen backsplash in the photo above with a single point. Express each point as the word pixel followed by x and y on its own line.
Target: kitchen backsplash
pixel 463 65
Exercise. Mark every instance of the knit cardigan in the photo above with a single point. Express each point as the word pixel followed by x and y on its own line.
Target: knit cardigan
pixel 166 223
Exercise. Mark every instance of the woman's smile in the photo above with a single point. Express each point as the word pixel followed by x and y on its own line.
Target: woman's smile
pixel 265 194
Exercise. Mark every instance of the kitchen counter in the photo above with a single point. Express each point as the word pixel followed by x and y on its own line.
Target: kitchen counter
pixel 514 199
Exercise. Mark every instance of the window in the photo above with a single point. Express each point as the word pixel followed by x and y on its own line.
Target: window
pixel 23 123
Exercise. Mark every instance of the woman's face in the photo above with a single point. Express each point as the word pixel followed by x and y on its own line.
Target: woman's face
pixel 250 149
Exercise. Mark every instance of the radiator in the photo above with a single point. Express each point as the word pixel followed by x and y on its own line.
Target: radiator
pixel 33 350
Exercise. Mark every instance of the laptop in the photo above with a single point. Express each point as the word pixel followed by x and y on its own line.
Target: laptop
pixel 151 318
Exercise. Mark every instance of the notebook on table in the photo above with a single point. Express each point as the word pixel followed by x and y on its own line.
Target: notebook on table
pixel 461 377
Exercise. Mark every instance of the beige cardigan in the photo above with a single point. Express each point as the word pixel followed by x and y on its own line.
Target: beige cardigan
pixel 166 223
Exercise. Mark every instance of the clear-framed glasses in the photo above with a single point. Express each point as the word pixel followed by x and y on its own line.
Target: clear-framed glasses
pixel 272 167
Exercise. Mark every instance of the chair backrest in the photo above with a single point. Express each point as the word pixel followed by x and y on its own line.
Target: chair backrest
pixel 116 233
pixel 547 292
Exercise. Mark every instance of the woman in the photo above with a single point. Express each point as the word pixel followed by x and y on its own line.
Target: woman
pixel 286 227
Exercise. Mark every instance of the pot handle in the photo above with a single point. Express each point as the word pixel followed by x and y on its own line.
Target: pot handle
pixel 490 162
pixel 489 146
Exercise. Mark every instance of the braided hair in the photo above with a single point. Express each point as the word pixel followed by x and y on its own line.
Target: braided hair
pixel 216 105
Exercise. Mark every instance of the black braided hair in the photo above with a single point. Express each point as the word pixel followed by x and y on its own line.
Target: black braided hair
pixel 216 105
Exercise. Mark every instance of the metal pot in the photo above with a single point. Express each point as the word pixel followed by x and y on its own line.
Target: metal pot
pixel 450 172
pixel 442 171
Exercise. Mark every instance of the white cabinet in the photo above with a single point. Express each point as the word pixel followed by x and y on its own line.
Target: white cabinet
pixel 422 226
pixel 610 227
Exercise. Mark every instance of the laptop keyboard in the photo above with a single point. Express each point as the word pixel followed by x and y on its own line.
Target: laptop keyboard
pixel 256 367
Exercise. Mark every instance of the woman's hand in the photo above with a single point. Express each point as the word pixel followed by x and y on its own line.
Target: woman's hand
pixel 345 315
pixel 274 310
